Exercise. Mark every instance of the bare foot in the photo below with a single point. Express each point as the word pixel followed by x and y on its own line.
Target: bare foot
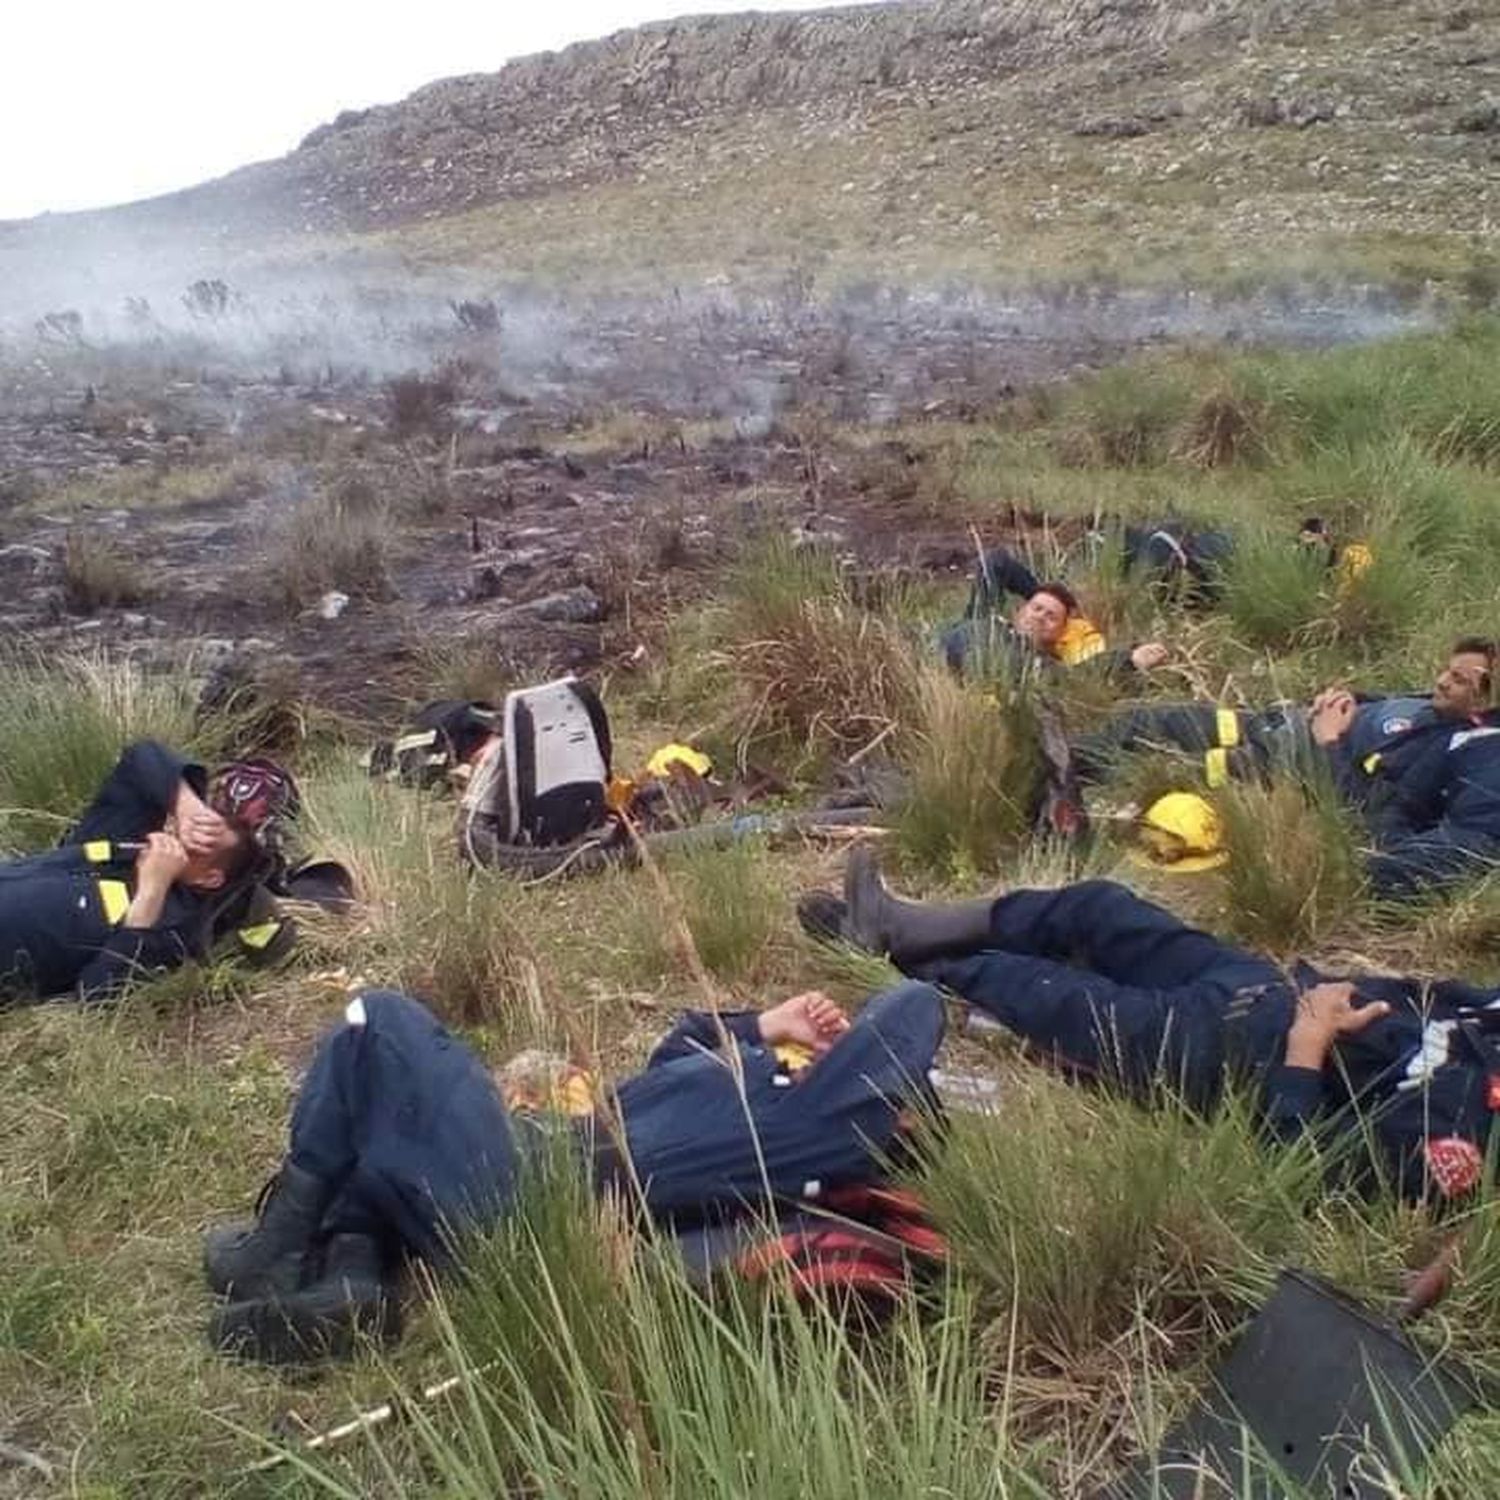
pixel 811 1019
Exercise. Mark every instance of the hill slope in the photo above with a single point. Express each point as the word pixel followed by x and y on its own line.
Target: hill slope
pixel 997 142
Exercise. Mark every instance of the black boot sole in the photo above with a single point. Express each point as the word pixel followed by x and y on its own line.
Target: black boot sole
pixel 306 1327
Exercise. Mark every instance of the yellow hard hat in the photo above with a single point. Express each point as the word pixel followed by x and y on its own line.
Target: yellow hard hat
pixel 668 756
pixel 1181 833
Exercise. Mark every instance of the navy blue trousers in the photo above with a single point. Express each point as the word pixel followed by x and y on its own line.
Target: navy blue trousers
pixel 408 1122
pixel 1111 985
pixel 406 1119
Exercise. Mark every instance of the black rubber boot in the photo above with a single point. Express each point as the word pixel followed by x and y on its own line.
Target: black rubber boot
pixel 264 1256
pixel 324 1320
pixel 907 931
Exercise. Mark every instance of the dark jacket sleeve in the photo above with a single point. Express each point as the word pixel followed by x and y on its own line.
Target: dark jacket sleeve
pixel 1000 572
pixel 138 794
pixel 1349 779
pixel 1294 1098
pixel 131 953
pixel 1113 662
pixel 699 1031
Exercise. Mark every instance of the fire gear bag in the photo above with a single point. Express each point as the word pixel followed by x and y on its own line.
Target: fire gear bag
pixel 545 782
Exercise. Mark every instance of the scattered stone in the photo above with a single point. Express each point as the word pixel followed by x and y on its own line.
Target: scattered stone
pixel 332 605
pixel 1113 127
pixel 1479 119
pixel 575 606
pixel 21 563
pixel 1299 111
pixel 819 531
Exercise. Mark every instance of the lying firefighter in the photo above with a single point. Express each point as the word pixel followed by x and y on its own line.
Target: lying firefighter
pixel 1422 771
pixel 401 1141
pixel 1045 626
pixel 159 865
pixel 1403 1073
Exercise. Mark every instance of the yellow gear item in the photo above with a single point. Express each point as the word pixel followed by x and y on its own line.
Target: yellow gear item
pixel 660 764
pixel 793 1056
pixel 1080 640
pixel 114 897
pixel 1181 833
pixel 1228 725
pixel 1371 763
pixel 1216 768
pixel 97 851
pixel 258 936
pixel 1356 560
pixel 575 1095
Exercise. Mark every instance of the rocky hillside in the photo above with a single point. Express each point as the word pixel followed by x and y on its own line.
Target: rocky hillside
pixel 1074 138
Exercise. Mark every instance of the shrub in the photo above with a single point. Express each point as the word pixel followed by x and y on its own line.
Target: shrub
pixel 62 727
pixel 96 574
pixel 1294 866
pixel 420 404
pixel 327 543
pixel 815 676
pixel 974 762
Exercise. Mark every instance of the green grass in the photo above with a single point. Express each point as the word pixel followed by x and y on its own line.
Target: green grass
pixel 62 726
pixel 1103 1256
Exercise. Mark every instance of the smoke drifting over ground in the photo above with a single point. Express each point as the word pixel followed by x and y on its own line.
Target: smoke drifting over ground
pixel 710 351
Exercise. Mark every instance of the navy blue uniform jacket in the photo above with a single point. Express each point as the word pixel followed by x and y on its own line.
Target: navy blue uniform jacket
pixel 58 932
pixel 1430 796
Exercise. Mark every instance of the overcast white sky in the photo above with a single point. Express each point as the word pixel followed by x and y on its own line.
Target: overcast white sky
pixel 103 101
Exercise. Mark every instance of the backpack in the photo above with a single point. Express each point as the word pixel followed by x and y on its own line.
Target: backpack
pixel 443 736
pixel 545 781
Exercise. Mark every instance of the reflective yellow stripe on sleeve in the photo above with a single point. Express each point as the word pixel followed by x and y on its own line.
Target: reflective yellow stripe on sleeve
pixel 97 851
pixel 1371 764
pixel 258 936
pixel 1229 728
pixel 114 897
pixel 1216 767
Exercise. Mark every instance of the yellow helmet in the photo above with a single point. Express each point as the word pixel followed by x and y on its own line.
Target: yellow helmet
pixel 661 763
pixel 1181 833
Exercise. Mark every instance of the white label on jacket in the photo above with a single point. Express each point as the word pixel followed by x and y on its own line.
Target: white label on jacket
pixel 1431 1055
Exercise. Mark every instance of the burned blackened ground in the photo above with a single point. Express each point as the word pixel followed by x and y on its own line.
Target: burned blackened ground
pixel 348 490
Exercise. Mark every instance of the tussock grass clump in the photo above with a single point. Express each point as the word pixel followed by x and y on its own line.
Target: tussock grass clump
pixel 1294 868
pixel 815 675
pixel 1274 591
pixel 430 926
pixel 1080 1214
pixel 161 487
pixel 975 764
pixel 328 543
pixel 63 726
pixel 731 904
pixel 590 1366
pixel 1119 420
pixel 1225 428
pixel 96 574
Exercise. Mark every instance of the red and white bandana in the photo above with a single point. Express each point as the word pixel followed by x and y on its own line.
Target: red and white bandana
pixel 1454 1164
